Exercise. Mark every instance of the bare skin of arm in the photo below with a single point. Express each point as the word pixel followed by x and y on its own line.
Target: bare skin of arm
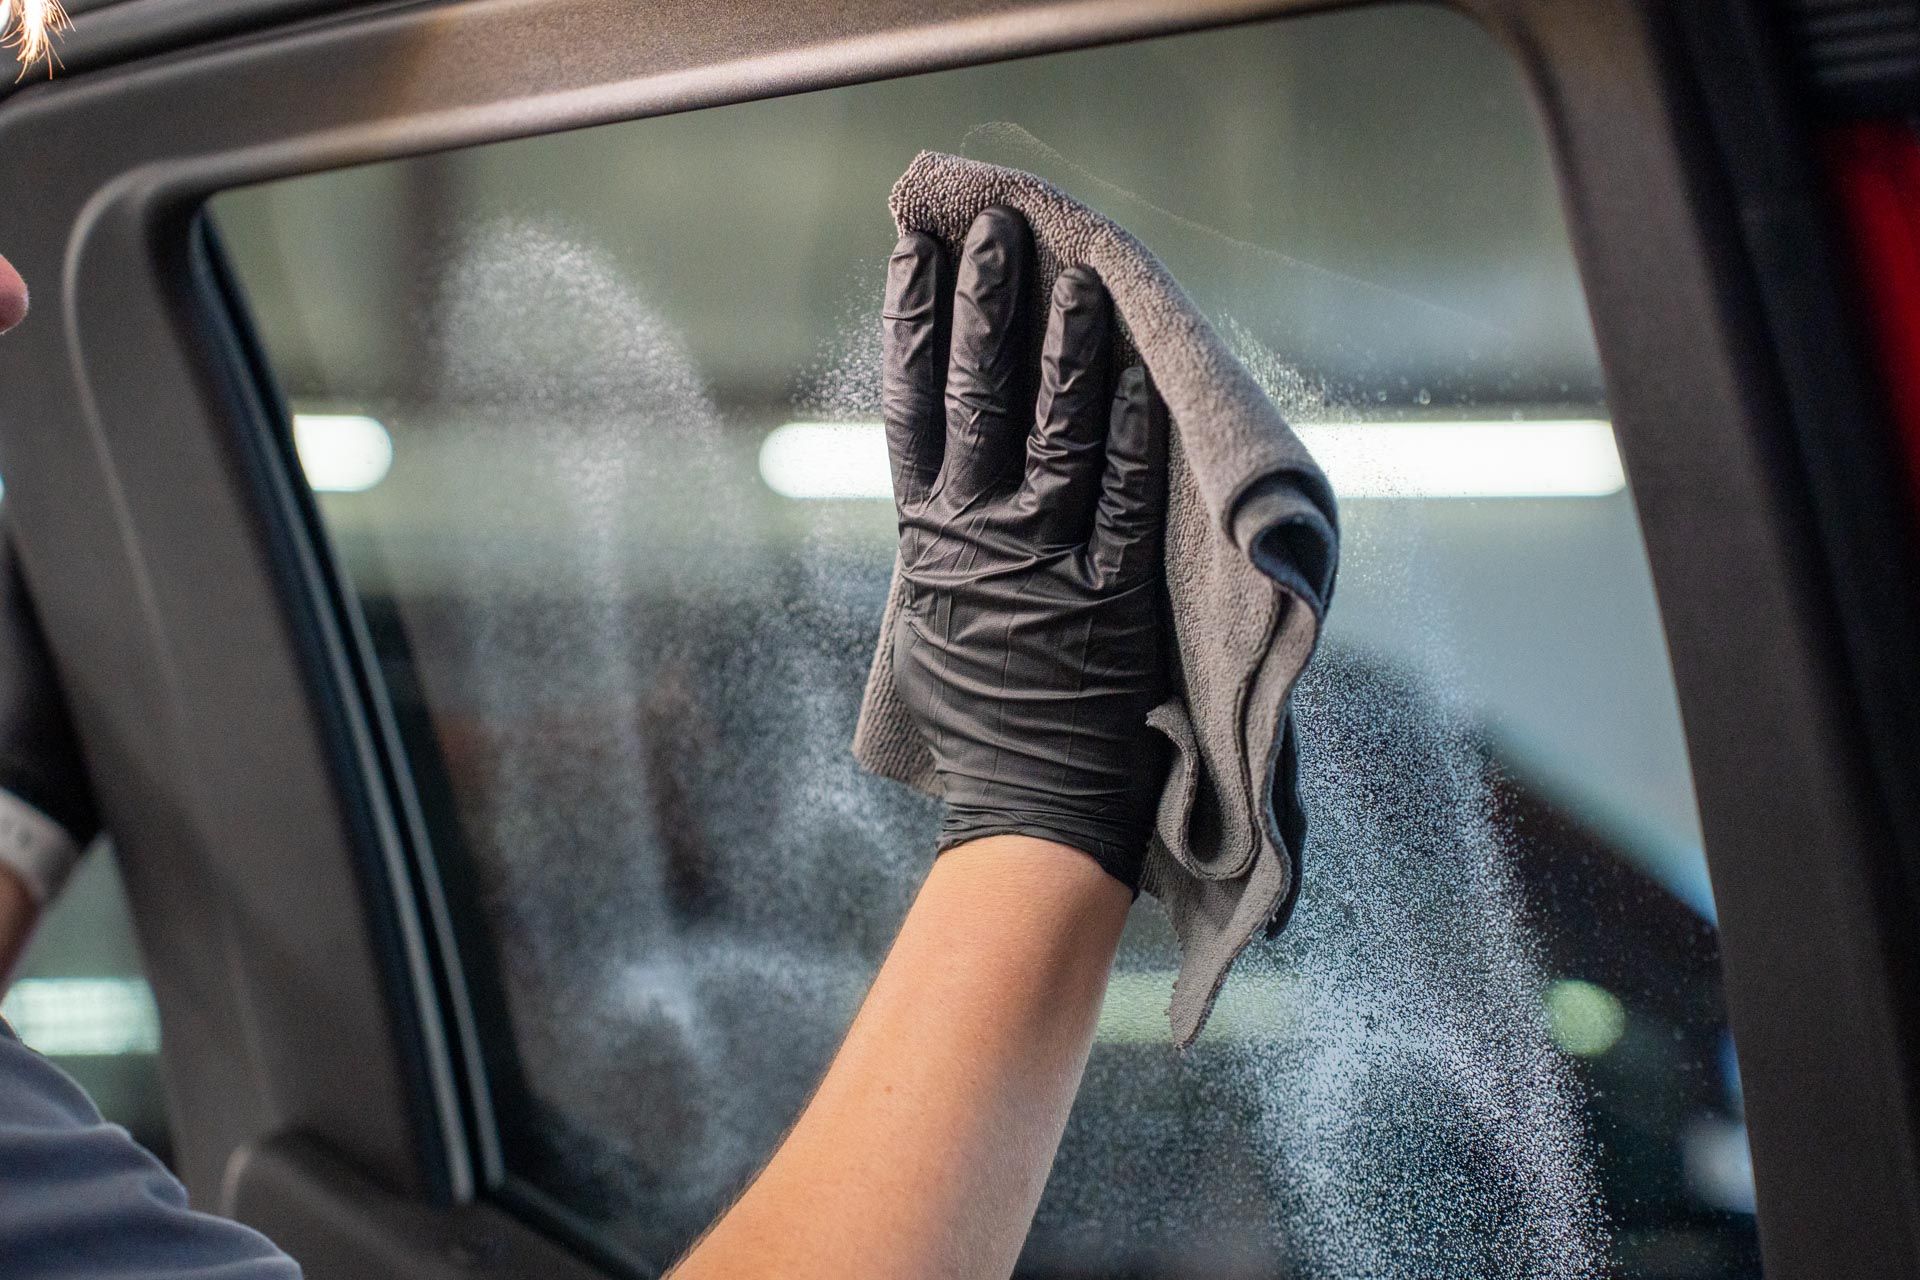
pixel 19 913
pixel 924 1152
pixel 13 296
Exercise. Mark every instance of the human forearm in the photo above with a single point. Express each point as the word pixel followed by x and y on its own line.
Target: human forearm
pixel 1026 651
pixel 924 1151
pixel 19 912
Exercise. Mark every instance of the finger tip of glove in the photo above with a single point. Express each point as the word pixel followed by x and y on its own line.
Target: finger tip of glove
pixel 916 256
pixel 997 224
pixel 1078 288
pixel 915 244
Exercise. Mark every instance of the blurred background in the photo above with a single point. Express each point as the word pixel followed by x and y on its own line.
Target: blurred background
pixel 590 421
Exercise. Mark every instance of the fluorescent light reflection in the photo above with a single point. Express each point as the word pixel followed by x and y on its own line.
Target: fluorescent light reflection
pixel 1539 458
pixel 83 1017
pixel 1535 459
pixel 342 452
pixel 827 460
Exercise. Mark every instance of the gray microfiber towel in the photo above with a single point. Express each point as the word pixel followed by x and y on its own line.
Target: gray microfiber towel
pixel 1251 546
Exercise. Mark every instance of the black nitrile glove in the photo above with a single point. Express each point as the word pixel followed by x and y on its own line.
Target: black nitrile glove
pixel 1029 648
pixel 40 759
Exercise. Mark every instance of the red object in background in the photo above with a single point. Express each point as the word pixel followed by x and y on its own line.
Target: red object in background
pixel 1875 170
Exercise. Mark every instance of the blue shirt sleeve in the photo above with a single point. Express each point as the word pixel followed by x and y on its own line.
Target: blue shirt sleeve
pixel 81 1200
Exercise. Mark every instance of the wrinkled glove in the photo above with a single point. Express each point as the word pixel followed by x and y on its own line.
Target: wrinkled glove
pixel 1029 648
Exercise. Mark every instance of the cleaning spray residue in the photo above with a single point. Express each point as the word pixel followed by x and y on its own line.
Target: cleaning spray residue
pixel 644 683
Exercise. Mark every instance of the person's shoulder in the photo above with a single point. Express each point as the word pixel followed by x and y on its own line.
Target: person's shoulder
pixel 34 1091
pixel 78 1196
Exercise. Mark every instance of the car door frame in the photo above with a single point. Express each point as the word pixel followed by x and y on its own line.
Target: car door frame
pixel 323 1068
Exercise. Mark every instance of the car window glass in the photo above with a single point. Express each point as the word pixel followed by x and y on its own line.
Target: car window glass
pixel 590 420
pixel 80 996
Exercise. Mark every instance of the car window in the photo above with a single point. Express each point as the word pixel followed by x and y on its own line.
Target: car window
pixel 80 997
pixel 590 421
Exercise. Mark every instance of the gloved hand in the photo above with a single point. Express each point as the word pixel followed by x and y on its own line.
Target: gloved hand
pixel 1031 508
pixel 46 804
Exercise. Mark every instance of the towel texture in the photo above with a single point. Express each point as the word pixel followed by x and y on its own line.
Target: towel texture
pixel 1251 548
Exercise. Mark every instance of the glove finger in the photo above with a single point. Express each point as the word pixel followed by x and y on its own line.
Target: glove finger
pixel 913 362
pixel 1065 454
pixel 1127 524
pixel 986 418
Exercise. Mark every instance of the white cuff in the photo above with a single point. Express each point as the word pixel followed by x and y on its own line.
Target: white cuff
pixel 36 847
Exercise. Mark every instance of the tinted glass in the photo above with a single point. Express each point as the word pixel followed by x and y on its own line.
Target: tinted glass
pixel 562 402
